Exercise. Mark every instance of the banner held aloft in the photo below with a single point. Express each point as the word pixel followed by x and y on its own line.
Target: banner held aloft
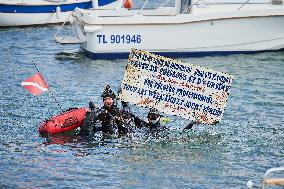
pixel 175 88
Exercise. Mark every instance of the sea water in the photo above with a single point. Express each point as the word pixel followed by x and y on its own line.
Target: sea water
pixel 248 140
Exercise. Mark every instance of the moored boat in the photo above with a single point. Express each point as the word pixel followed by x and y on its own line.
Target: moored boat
pixel 199 28
pixel 31 12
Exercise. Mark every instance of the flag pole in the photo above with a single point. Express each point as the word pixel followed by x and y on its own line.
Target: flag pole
pixel 49 89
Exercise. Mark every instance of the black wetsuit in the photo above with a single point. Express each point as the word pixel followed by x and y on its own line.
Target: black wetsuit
pixel 127 121
pixel 112 119
pixel 106 115
pixel 153 126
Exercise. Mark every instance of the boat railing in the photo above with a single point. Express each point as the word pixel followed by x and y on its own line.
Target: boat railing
pixel 68 19
pixel 243 5
pixel 143 7
pixel 272 2
pixel 272 181
pixel 67 36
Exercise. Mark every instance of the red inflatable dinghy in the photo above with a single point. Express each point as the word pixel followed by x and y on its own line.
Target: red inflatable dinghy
pixel 66 121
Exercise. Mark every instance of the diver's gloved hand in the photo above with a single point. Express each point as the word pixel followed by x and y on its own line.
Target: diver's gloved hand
pixel 124 104
pixel 191 124
pixel 188 127
pixel 92 106
pixel 106 114
pixel 215 122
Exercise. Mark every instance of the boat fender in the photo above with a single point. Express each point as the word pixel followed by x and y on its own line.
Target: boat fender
pixel 58 10
pixel 128 4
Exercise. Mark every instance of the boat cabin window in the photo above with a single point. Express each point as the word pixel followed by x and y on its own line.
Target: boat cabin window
pixel 185 6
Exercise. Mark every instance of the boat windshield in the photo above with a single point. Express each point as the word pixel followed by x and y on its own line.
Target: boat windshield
pixel 185 6
pixel 182 5
pixel 152 4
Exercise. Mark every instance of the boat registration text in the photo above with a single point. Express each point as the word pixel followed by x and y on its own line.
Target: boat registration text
pixel 130 39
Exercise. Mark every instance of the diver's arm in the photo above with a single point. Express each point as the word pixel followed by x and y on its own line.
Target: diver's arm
pixel 89 123
pixel 138 122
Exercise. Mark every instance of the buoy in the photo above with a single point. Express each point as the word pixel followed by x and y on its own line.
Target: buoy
pixel 66 121
pixel 128 4
pixel 58 10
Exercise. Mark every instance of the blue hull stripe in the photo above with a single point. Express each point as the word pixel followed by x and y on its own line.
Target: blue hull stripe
pixel 123 55
pixel 48 8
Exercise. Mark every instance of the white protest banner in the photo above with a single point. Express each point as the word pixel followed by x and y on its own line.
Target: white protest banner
pixel 176 88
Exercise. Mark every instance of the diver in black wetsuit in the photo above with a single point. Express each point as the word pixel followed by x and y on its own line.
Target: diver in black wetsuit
pixel 127 121
pixel 118 121
pixel 153 120
pixel 111 118
pixel 106 115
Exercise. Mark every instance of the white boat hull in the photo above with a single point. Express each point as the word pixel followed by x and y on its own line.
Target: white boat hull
pixel 230 35
pixel 24 19
pixel 13 13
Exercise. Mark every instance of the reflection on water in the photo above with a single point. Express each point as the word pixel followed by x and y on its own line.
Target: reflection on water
pixel 192 138
pixel 65 56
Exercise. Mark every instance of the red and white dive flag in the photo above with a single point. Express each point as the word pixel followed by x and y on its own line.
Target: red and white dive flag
pixel 35 84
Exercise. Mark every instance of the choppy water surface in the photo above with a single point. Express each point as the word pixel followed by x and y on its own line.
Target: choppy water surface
pixel 247 141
